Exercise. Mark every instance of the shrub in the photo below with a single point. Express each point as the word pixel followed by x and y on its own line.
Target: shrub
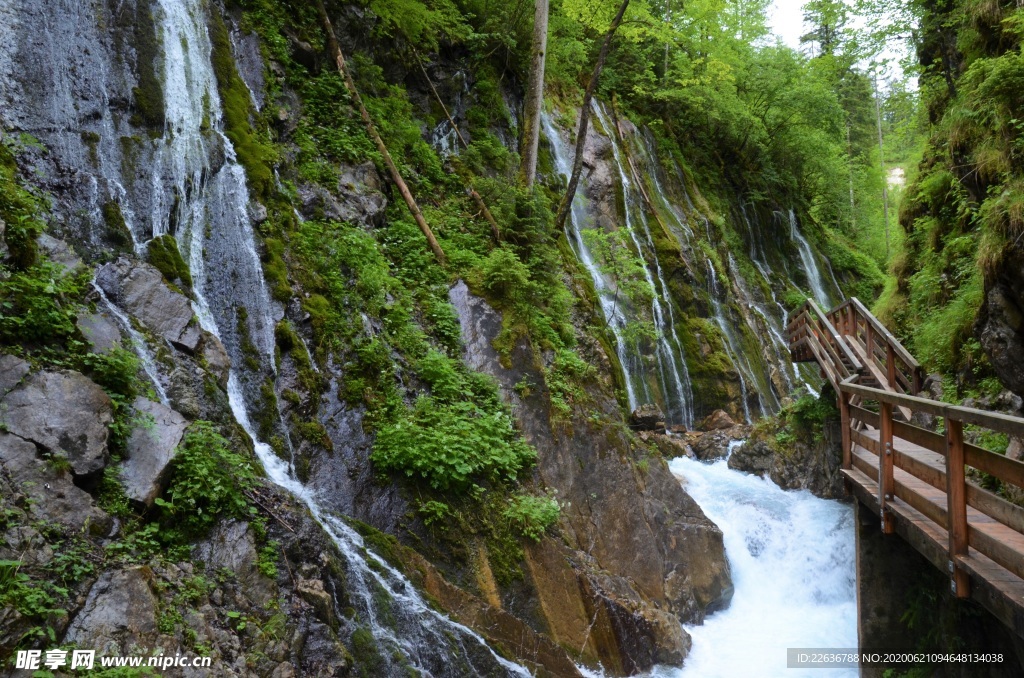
pixel 209 482
pixel 451 446
pixel 532 515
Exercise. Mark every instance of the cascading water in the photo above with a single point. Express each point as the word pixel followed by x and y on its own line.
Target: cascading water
pixel 231 302
pixel 736 354
pixel 138 343
pixel 611 307
pixel 810 265
pixel 793 562
pixel 674 377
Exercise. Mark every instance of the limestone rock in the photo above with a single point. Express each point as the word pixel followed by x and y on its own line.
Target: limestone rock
pixel 64 413
pixel 140 290
pixel 217 359
pixel 100 331
pixel 12 370
pixel 52 494
pixel 1000 327
pixel 712 445
pixel 717 420
pixel 647 417
pixel 3 240
pixel 151 448
pixel 119 614
pixel 231 546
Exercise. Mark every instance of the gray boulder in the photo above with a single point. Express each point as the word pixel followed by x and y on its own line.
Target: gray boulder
pixel 218 362
pixel 140 290
pixel 12 370
pixel 647 417
pixel 51 493
pixel 58 251
pixel 63 413
pixel 100 331
pixel 119 614
pixel 151 448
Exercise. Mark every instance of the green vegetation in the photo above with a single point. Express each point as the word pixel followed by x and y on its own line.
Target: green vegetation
pixel 164 254
pixel 209 482
pixel 532 516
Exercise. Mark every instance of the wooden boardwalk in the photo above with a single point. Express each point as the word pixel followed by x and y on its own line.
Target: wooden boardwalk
pixel 912 477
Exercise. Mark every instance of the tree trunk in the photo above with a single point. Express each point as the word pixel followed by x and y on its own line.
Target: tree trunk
pixel 581 134
pixel 350 85
pixel 534 96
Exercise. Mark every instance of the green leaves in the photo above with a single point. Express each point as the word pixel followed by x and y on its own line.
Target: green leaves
pixel 209 482
pixel 450 446
pixel 532 516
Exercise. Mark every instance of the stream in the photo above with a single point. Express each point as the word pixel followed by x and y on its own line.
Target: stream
pixel 793 562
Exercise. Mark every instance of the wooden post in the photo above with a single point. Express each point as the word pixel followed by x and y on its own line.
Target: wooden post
pixel 844 411
pixel 890 365
pixel 869 341
pixel 956 498
pixel 886 480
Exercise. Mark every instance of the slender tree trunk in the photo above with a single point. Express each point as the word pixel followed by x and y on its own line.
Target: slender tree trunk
pixel 581 134
pixel 477 198
pixel 534 95
pixel 350 85
pixel 849 163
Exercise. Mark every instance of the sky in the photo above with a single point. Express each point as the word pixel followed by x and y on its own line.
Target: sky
pixel 786 19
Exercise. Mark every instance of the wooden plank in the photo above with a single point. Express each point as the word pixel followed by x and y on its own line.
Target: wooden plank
pixel 920 436
pixel 996 507
pixel 844 415
pixel 997 421
pixel 860 414
pixel 956 498
pixel 914 403
pixel 998 465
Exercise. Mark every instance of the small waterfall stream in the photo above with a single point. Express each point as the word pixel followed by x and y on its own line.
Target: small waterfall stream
pixel 212 225
pixel 674 375
pixel 810 264
pixel 613 312
pixel 793 560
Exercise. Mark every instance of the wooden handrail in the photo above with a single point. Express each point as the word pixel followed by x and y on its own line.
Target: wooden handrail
pixel 913 474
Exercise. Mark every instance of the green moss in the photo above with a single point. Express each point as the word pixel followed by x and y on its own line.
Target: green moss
pixel 275 270
pixel 256 155
pixel 164 254
pixel 148 95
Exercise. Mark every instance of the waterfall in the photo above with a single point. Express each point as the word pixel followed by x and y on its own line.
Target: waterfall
pixel 138 343
pixel 792 557
pixel 613 313
pixel 208 186
pixel 674 375
pixel 810 265
pixel 735 352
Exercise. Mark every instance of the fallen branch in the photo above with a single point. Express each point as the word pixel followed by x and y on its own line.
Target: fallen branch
pixel 350 85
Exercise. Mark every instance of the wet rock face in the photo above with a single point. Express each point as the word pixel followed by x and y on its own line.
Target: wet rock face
pixel 813 465
pixel 1000 327
pixel 65 414
pixel 119 614
pixel 647 418
pixel 51 493
pixel 638 545
pixel 140 290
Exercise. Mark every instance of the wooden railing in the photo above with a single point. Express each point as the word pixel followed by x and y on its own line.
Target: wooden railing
pixel 996 528
pixel 812 337
pixel 918 478
pixel 882 354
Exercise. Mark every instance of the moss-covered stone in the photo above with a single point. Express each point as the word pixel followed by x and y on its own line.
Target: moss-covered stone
pixel 164 254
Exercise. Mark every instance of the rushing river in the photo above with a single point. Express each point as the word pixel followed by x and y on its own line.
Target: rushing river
pixel 793 564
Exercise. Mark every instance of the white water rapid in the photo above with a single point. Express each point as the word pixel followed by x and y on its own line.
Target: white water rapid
pixel 793 563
